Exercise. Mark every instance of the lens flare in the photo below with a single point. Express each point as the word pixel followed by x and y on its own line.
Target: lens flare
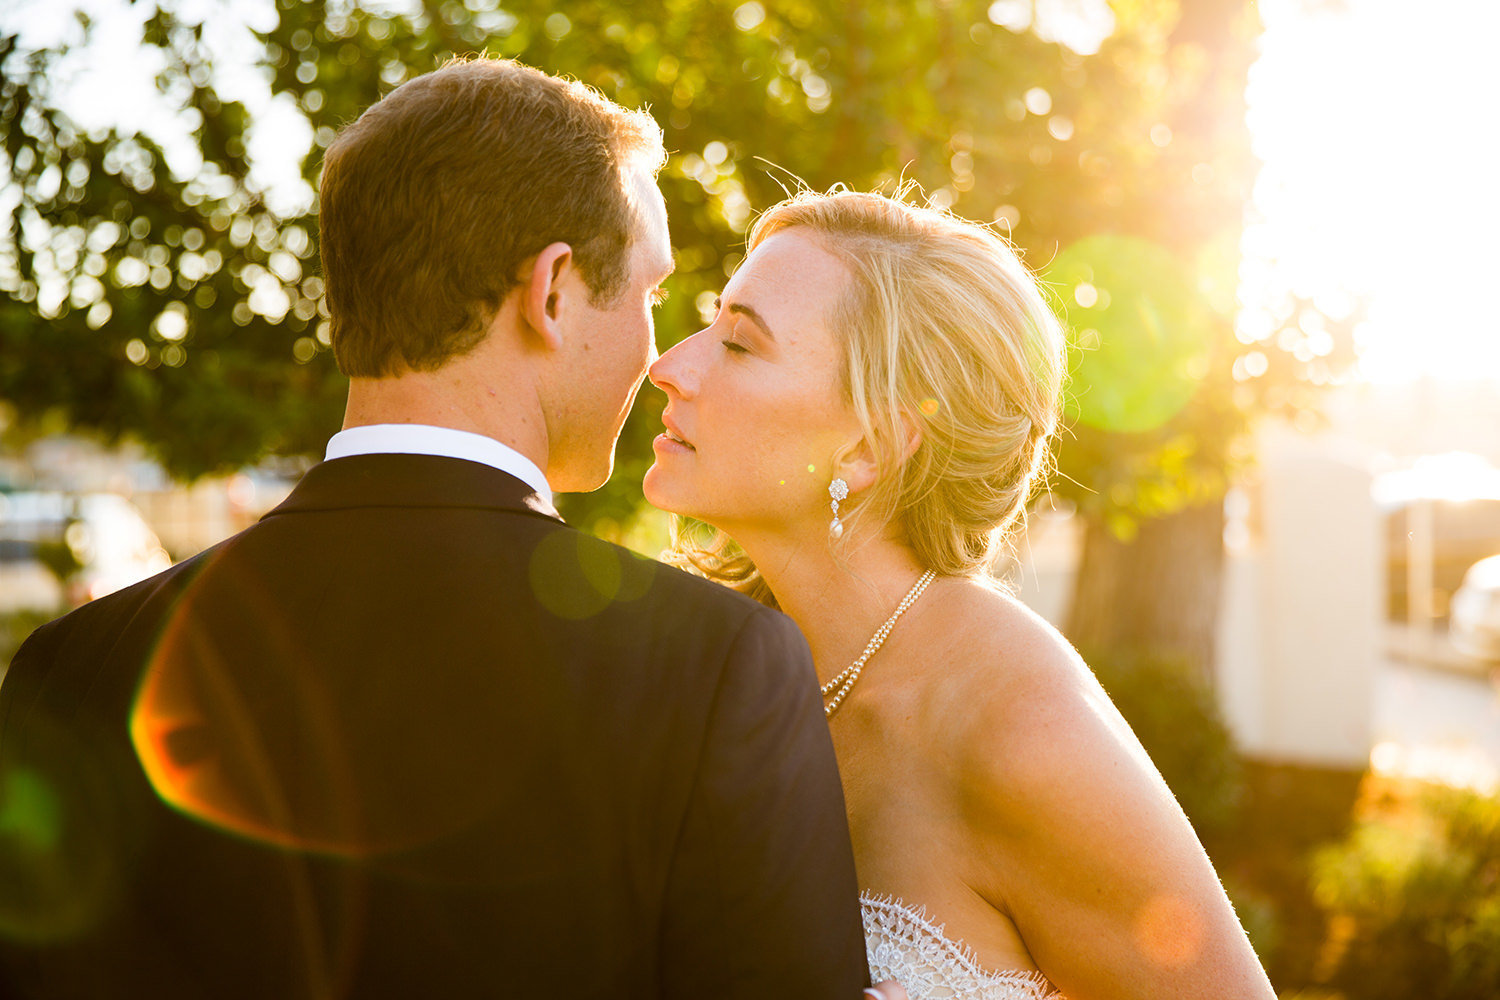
pixel 1141 332
pixel 1170 931
pixel 576 576
pixel 212 736
pixel 67 834
pixel 239 721
pixel 261 712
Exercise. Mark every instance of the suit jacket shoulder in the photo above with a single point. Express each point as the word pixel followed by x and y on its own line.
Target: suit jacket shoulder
pixel 416 711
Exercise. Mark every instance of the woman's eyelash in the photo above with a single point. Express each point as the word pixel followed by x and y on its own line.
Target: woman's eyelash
pixel 734 347
pixel 660 295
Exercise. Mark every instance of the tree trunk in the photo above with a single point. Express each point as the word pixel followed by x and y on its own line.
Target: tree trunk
pixel 1156 595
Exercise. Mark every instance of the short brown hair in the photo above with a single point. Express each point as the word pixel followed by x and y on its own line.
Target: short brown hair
pixel 434 199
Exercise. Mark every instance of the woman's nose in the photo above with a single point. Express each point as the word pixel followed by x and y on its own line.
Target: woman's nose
pixel 673 372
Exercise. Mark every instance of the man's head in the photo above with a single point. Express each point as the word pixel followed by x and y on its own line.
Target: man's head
pixel 492 240
pixel 437 197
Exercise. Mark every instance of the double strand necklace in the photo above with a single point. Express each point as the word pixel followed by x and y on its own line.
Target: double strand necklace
pixel 840 686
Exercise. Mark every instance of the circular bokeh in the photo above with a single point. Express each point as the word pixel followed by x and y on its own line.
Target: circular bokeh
pixel 1139 332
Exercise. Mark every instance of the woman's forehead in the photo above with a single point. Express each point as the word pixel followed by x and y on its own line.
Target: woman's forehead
pixel 791 280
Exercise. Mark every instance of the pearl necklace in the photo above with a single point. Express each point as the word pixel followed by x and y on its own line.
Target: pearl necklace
pixel 844 682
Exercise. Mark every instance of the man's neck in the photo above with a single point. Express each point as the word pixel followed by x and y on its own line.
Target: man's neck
pixel 459 396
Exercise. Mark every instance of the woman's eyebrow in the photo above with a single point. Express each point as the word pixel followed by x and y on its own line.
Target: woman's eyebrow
pixel 755 317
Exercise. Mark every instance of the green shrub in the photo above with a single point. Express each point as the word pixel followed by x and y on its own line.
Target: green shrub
pixel 1417 889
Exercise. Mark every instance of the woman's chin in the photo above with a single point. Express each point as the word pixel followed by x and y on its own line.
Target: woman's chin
pixel 659 492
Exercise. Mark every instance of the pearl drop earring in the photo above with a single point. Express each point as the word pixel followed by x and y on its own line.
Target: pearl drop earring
pixel 837 490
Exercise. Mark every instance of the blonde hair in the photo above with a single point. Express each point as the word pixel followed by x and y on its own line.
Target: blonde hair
pixel 941 326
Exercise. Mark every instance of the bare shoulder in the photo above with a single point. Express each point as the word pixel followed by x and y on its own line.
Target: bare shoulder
pixel 1066 826
pixel 1030 725
pixel 1011 670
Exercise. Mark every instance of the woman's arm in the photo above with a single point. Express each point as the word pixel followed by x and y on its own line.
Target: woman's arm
pixel 1077 838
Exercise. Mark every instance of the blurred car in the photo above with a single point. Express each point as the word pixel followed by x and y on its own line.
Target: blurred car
pixel 1474 615
pixel 59 548
pixel 1463 532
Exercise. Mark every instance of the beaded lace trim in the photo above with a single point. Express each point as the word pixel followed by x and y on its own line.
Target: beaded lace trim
pixel 904 944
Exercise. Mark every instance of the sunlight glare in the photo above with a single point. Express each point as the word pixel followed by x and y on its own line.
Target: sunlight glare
pixel 1377 178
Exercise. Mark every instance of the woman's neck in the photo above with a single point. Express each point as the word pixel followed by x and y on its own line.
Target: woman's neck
pixel 838 603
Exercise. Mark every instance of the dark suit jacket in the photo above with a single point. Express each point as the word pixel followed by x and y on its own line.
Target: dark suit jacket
pixel 413 736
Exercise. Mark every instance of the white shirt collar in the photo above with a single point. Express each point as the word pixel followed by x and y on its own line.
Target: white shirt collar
pixel 425 439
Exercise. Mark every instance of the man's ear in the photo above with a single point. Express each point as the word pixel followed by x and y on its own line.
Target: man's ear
pixel 545 293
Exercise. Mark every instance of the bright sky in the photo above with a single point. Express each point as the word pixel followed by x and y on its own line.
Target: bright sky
pixel 1378 127
pixel 1375 119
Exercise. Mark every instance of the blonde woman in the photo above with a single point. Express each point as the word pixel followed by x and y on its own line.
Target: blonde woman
pixel 865 418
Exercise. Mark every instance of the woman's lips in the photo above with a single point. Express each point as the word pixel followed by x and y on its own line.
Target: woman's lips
pixel 667 443
pixel 673 435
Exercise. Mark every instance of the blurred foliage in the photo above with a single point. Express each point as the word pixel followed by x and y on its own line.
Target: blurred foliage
pixel 15 626
pixel 59 557
pixel 1259 916
pixel 1286 814
pixel 138 301
pixel 1177 720
pixel 178 308
pixel 1413 898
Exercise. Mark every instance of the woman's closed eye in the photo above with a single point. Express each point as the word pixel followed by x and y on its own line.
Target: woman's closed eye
pixel 734 347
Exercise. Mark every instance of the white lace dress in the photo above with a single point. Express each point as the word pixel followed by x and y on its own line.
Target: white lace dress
pixel 903 944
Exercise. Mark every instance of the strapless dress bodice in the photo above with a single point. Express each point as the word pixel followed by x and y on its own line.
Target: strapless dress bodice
pixel 905 945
